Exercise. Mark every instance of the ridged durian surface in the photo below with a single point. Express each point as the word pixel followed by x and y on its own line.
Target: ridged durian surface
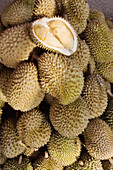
pixel 43 163
pixel 99 139
pixel 15 45
pixel 86 162
pixel 33 129
pixel 94 94
pixel 70 120
pixel 77 13
pixel 45 8
pixel 105 70
pixel 13 164
pixel 100 41
pixel 63 150
pixel 23 91
pixel 60 77
pixel 107 165
pixel 17 12
pixel 96 15
pixel 10 144
pixel 82 54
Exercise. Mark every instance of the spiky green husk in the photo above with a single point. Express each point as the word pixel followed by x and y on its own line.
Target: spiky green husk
pixel 107 165
pixel 63 150
pixel 100 41
pixel 45 8
pixel 17 12
pixel 77 13
pixel 86 162
pixel 105 70
pixel 82 54
pixel 13 164
pixel 94 94
pixel 33 129
pixel 61 77
pixel 10 144
pixel 15 45
pixel 70 120
pixel 23 91
pixel 99 139
pixel 96 15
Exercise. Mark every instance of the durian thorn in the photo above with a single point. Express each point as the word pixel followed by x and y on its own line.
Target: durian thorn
pixel 109 92
pixel 81 163
pixel 46 155
pixel 20 160
pixel 111 160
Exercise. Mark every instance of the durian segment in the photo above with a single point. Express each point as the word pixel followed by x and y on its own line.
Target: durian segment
pixel 105 70
pixel 61 77
pixel 33 129
pixel 15 45
pixel 94 94
pixel 17 12
pixel 54 34
pixel 107 165
pixel 100 41
pixel 86 162
pixel 96 15
pixel 2 157
pixel 13 164
pixel 108 114
pixel 99 139
pixel 77 13
pixel 45 8
pixel 23 91
pixel 63 150
pixel 43 163
pixel 82 54
pixel 10 143
pixel 70 120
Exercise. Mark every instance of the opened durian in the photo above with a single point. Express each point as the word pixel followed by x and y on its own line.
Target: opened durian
pixel 99 139
pixel 54 34
pixel 23 91
pixel 61 77
pixel 10 143
pixel 94 94
pixel 13 164
pixel 86 162
pixel 63 150
pixel 70 120
pixel 15 45
pixel 100 41
pixel 33 129
pixel 77 12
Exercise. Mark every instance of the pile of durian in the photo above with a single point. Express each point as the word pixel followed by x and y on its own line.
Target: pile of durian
pixel 56 75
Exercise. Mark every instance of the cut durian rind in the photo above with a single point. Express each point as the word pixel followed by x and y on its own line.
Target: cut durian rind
pixel 54 34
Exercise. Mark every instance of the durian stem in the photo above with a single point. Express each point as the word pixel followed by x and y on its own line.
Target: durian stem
pixel 109 92
pixel 111 160
pixel 20 160
pixel 46 155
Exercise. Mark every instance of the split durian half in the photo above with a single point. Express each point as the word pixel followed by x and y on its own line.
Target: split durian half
pixel 54 34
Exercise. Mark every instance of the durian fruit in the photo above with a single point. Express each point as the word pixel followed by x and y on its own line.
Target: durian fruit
pixel 15 45
pixel 61 77
pixel 108 114
pixel 95 95
pixel 46 163
pixel 96 15
pixel 45 8
pixel 33 129
pixel 99 139
pixel 100 41
pixel 10 143
pixel 63 150
pixel 107 165
pixel 23 91
pixel 17 12
pixel 109 23
pixel 54 34
pixel 105 70
pixel 2 157
pixel 70 120
pixel 86 162
pixel 82 54
pixel 13 164
pixel 77 12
